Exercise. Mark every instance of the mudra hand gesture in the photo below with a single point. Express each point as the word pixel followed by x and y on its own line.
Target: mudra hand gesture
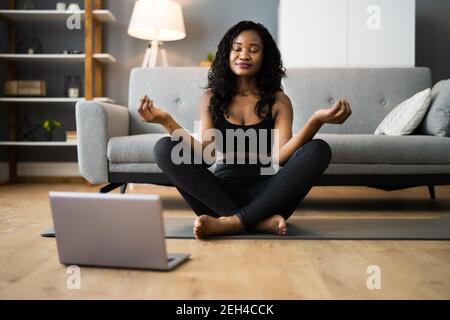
pixel 337 114
pixel 149 113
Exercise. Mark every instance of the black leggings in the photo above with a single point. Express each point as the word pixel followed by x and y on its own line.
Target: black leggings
pixel 251 199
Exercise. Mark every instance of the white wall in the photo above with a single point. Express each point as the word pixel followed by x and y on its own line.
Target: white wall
pixel 381 33
pixel 347 33
pixel 313 32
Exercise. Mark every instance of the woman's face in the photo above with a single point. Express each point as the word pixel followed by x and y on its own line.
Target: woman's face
pixel 246 54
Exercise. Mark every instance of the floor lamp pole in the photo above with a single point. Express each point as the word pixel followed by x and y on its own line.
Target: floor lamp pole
pixel 151 55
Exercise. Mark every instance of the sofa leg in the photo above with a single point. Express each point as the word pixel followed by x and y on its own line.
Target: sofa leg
pixel 111 186
pixel 431 191
pixel 123 188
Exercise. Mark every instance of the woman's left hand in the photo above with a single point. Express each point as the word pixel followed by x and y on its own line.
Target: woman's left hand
pixel 337 114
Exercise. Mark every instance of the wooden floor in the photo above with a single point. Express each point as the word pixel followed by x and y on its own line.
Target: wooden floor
pixel 236 269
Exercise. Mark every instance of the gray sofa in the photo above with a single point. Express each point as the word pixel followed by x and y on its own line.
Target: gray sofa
pixel 115 145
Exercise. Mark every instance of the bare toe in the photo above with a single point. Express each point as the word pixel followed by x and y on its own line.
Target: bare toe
pixel 274 224
pixel 282 229
pixel 197 227
pixel 207 226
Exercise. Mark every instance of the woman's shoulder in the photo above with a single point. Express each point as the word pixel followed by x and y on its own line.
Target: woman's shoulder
pixel 282 103
pixel 205 99
pixel 282 97
pixel 207 94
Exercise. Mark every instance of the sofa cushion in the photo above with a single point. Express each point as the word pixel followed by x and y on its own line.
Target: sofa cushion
pixel 406 117
pixel 437 119
pixel 372 93
pixel 133 149
pixel 346 148
pixel 382 149
pixel 141 167
pixel 176 90
pixel 333 168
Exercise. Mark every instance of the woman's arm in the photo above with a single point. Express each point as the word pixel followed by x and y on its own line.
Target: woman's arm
pixel 150 113
pixel 288 144
pixel 305 134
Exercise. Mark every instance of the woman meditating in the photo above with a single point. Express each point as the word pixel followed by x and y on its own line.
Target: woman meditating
pixel 244 94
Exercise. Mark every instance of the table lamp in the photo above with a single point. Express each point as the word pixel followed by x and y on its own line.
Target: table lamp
pixel 156 21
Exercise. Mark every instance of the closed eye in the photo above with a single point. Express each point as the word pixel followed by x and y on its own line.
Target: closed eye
pixel 239 49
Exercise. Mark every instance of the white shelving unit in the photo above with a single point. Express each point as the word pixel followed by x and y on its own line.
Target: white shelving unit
pixel 52 57
pixel 52 15
pixel 51 99
pixel 93 58
pixel 39 143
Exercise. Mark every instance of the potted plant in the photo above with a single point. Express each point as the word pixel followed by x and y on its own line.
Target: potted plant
pixel 49 125
pixel 210 58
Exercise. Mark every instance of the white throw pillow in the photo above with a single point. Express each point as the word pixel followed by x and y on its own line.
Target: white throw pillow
pixel 406 117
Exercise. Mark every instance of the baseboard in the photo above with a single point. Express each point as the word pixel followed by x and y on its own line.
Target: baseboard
pixel 38 170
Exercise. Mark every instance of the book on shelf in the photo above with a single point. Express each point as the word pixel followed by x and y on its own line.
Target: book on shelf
pixel 71 136
pixel 17 88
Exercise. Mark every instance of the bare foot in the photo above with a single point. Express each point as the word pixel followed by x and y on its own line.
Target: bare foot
pixel 208 226
pixel 275 224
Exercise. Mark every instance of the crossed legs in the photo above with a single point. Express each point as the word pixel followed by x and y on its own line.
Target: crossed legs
pixel 220 213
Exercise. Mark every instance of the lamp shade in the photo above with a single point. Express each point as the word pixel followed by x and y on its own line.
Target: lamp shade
pixel 160 20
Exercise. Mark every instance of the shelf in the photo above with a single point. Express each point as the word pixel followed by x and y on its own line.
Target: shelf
pixel 55 57
pixel 52 15
pixel 92 71
pixel 39 143
pixel 52 99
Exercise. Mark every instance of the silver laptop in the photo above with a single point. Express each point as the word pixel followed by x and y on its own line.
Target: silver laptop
pixel 111 230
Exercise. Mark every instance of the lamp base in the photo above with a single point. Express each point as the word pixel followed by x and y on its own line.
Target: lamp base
pixel 151 55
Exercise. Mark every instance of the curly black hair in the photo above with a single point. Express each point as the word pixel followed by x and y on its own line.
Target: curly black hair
pixel 223 82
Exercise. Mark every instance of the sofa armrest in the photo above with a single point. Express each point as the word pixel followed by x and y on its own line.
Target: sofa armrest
pixel 96 123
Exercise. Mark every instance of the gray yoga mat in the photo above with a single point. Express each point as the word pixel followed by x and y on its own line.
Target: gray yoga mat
pixel 341 229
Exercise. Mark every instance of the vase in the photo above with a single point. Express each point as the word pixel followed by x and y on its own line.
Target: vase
pixel 48 136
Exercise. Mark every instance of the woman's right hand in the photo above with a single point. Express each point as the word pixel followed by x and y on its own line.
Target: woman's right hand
pixel 336 114
pixel 149 113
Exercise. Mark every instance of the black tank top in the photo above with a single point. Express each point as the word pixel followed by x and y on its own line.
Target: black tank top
pixel 261 139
